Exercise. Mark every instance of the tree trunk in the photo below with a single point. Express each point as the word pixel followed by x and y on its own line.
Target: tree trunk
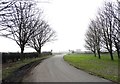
pixel 22 53
pixel 118 49
pixel 22 50
pixel 118 52
pixel 94 53
pixel 111 55
pixel 39 51
pixel 98 51
pixel 110 44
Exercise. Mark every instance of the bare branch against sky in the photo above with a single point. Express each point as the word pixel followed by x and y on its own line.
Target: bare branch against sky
pixel 69 18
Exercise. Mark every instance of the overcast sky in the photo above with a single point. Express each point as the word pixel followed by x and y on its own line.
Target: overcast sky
pixel 69 18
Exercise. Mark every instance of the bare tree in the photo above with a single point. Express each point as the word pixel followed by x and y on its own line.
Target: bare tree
pixel 104 32
pixel 5 4
pixel 116 32
pixel 116 39
pixel 98 34
pixel 46 34
pixel 107 25
pixel 20 25
pixel 91 39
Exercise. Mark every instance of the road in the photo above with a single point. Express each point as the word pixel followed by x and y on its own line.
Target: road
pixel 55 69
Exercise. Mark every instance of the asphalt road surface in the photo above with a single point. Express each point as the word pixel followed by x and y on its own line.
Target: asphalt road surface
pixel 55 69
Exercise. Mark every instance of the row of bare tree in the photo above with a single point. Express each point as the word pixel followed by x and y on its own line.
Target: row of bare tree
pixel 104 32
pixel 22 22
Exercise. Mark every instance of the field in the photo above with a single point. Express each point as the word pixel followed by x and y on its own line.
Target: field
pixel 103 67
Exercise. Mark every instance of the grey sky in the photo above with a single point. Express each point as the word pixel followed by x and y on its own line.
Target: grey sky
pixel 69 18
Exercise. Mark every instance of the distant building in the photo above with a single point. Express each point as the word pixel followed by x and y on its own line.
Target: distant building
pixel 78 51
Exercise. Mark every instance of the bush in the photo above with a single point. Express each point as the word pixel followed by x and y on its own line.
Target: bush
pixel 13 57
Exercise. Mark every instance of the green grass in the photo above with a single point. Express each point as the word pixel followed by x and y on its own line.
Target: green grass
pixel 9 70
pixel 103 67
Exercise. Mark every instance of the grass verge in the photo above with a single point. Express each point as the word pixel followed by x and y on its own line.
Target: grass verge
pixel 6 72
pixel 103 67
